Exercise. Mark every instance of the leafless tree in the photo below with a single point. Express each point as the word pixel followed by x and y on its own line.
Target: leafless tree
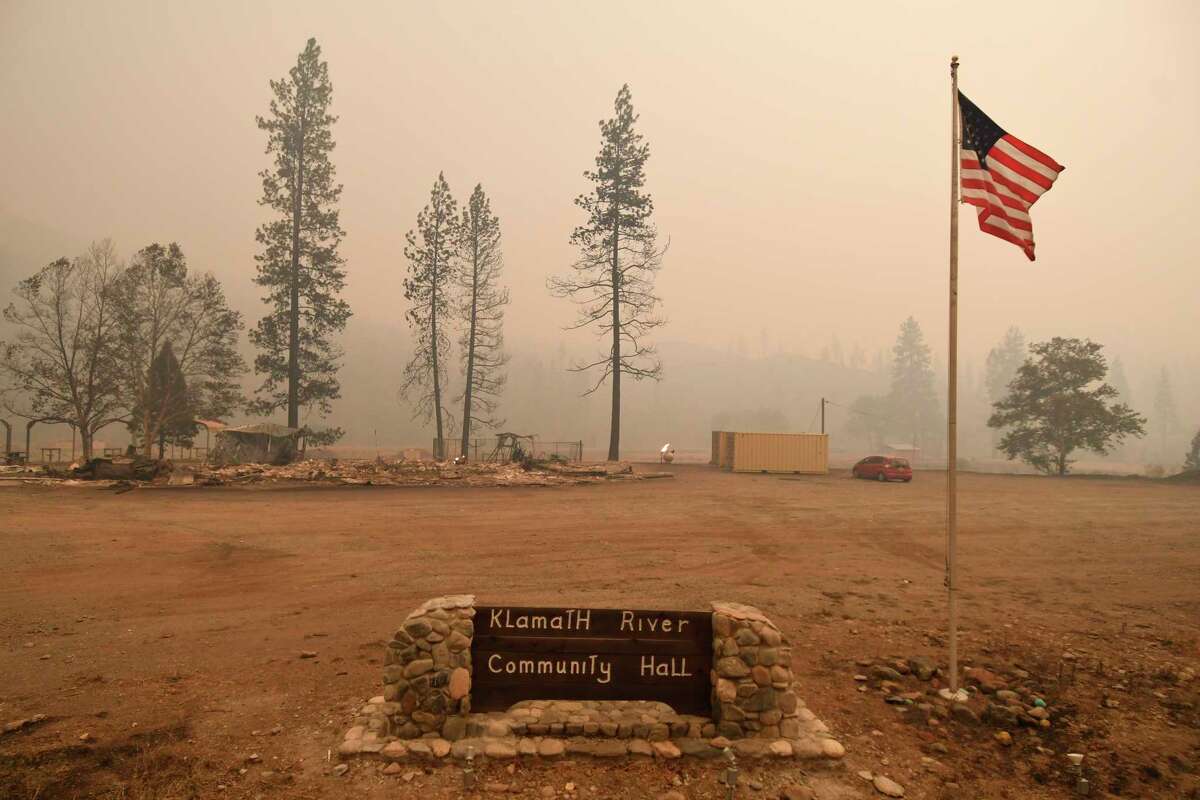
pixel 62 364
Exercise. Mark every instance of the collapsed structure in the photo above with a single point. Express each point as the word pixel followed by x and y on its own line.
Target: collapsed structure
pixel 260 443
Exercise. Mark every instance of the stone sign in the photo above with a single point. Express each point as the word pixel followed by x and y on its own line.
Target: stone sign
pixel 505 679
pixel 591 654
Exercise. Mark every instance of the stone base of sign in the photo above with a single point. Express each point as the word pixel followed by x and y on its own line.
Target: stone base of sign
pixel 752 675
pixel 550 729
pixel 427 669
pixel 424 712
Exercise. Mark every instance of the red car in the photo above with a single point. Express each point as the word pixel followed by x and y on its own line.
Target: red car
pixel 883 468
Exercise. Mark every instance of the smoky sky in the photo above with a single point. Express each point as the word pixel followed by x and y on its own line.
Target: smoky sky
pixel 800 153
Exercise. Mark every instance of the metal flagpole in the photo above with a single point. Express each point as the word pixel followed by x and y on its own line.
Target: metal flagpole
pixel 952 393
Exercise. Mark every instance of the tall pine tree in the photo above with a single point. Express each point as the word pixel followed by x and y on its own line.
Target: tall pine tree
pixel 1118 380
pixel 913 401
pixel 1003 361
pixel 483 302
pixel 1002 364
pixel 612 281
pixel 431 252
pixel 298 260
pixel 1166 415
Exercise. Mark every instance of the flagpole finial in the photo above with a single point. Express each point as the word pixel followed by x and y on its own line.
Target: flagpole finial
pixel 953 63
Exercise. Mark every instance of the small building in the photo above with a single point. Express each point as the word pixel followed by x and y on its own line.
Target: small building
pixel 260 443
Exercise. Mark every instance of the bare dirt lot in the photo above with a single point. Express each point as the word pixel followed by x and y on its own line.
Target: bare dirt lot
pixel 167 624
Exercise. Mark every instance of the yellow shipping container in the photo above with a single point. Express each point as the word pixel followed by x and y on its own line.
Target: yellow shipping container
pixel 780 452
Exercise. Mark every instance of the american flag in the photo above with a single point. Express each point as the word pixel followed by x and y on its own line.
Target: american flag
pixel 1002 175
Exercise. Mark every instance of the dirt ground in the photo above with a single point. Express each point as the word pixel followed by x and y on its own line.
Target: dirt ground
pixel 166 624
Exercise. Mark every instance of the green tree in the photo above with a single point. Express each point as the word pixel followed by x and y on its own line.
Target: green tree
pixel 298 260
pixel 612 281
pixel 431 253
pixel 171 317
pixel 1058 403
pixel 61 364
pixel 912 401
pixel 483 302
pixel 1191 459
pixel 167 402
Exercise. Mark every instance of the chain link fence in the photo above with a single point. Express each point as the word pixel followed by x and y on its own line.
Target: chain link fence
pixel 495 450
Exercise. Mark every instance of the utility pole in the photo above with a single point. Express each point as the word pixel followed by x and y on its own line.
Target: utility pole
pixel 822 415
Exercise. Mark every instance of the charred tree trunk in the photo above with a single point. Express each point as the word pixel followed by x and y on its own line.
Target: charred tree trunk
pixel 466 426
pixel 614 431
pixel 293 402
pixel 440 453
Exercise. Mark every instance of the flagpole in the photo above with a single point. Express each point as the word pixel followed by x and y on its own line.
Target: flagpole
pixel 952 393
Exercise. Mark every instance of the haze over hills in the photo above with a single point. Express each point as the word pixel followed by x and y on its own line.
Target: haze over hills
pixel 701 387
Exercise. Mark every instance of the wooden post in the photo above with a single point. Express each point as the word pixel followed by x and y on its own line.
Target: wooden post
pixel 952 389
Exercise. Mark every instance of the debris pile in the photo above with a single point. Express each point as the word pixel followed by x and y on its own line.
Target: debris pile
pixel 383 472
pixel 125 473
pixel 134 468
pixel 98 473
pixel 259 443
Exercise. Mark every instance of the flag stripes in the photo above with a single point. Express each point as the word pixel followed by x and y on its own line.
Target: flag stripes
pixel 1002 176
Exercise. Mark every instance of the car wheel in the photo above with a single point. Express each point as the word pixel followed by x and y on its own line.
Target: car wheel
pixel 908 480
pixel 853 473
pixel 881 477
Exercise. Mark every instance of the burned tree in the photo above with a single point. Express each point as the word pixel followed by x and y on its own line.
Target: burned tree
pixel 483 302
pixel 62 360
pixel 612 281
pixel 299 263
pixel 431 252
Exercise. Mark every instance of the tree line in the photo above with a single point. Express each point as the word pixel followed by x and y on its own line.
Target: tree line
pixel 154 346
pixel 1047 401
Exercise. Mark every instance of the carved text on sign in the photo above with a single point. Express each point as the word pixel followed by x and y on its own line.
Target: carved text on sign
pixel 599 654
